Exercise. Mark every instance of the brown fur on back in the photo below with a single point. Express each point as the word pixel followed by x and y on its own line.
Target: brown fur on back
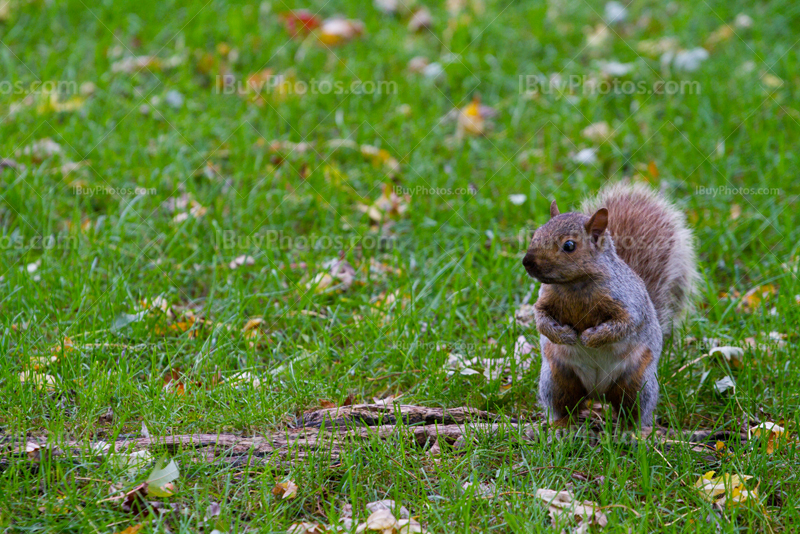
pixel 651 236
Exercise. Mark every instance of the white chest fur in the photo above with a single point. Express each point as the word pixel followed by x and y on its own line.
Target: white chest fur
pixel 599 368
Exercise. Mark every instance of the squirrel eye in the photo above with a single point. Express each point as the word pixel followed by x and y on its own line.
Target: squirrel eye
pixel 569 245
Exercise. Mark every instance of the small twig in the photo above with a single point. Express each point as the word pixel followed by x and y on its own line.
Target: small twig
pixel 679 518
pixel 684 367
pixel 93 480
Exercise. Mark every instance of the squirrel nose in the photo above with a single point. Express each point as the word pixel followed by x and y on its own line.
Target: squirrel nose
pixel 528 262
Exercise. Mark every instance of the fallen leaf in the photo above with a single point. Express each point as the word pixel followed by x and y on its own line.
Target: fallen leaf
pixel 390 506
pixel 337 31
pixel 307 528
pixel 390 7
pixel 522 347
pixel 732 355
pixel 196 210
pixel 687 60
pixel 418 63
pixel 40 380
pixel 238 261
pixel 33 450
pixel 652 169
pixel 563 508
pixel 597 132
pixel 132 462
pixel 285 490
pixel 598 37
pixel 388 205
pixel 339 276
pixel 173 384
pixel 771 81
pixel 243 378
pixel 586 156
pixel 756 296
pixel 775 434
pixel 420 20
pixel 381 520
pixel 159 483
pixel 381 268
pixel 299 22
pixel 725 489
pixel 134 64
pixel 52 102
pixel 252 324
pixel 132 529
pixel 718 36
pixel 408 526
pixel 484 490
pixel 213 510
pixel 615 12
pixel 615 68
pixel 472 118
pixel 7 163
pixel 743 21
pixel 379 156
pixel 134 500
pixel 41 149
pixel 724 384
pixel 658 47
pixel 525 316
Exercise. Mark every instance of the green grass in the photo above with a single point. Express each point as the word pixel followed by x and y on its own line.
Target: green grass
pixel 455 255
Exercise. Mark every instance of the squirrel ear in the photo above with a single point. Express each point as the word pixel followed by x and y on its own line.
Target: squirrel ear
pixel 597 224
pixel 554 210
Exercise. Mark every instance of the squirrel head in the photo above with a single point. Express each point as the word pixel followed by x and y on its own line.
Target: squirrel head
pixel 566 249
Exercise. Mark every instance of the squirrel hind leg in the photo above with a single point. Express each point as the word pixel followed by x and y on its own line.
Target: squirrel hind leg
pixel 634 402
pixel 560 392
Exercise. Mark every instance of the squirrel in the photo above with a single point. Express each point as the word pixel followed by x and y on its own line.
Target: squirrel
pixel 614 280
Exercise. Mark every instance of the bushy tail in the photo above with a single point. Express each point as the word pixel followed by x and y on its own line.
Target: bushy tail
pixel 651 236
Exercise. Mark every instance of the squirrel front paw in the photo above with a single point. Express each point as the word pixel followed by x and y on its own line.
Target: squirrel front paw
pixel 594 337
pixel 560 334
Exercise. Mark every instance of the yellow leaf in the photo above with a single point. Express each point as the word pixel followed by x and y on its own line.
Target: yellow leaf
pixel 132 529
pixel 40 380
pixel 68 345
pixel 652 168
pixel 470 119
pixel 725 489
pixel 720 35
pixel 776 435
pixel 755 296
pixel 252 323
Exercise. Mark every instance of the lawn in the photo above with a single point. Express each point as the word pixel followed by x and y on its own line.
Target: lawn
pixel 216 218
